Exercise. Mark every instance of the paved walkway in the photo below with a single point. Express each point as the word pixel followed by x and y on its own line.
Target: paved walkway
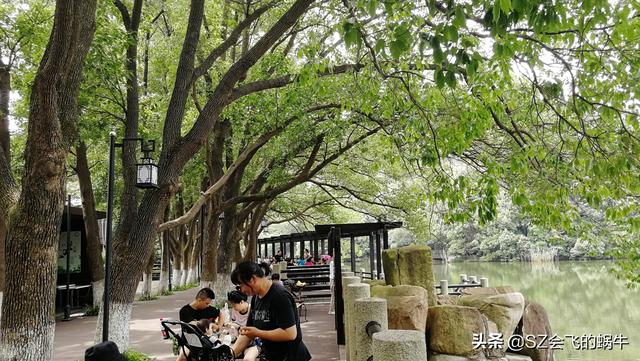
pixel 73 337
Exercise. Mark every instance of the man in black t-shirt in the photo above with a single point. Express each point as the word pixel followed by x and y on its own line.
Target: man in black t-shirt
pixel 273 317
pixel 200 309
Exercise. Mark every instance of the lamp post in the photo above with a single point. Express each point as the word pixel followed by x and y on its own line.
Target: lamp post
pixel 147 177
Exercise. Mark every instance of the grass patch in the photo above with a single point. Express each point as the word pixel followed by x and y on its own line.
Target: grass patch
pixel 132 355
pixel 166 293
pixel 92 311
pixel 185 287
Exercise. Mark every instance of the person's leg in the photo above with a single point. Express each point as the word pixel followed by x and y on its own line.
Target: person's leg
pixel 183 355
pixel 251 354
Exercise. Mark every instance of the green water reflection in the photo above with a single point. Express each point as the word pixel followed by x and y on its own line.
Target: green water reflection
pixel 580 298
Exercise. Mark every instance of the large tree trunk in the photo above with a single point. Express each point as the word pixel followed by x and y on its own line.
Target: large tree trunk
pixel 147 279
pixel 194 261
pixel 210 256
pixel 94 247
pixel 166 254
pixel 5 145
pixel 34 229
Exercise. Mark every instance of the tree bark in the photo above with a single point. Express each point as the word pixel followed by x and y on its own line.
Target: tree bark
pixel 147 279
pixel 5 145
pixel 166 254
pixel 92 230
pixel 34 228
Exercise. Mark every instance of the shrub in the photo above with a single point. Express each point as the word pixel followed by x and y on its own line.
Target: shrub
pixel 92 311
pixel 132 355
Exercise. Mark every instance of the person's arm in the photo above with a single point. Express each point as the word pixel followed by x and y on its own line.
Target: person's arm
pixel 221 320
pixel 277 335
pixel 240 345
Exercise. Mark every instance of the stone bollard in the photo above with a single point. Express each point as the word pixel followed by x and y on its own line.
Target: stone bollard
pixel 484 282
pixel 399 345
pixel 346 281
pixel 444 287
pixel 353 292
pixel 347 274
pixel 369 309
pixel 362 272
pixel 473 279
pixel 463 278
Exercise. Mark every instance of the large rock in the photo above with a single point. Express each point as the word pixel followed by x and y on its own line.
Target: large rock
pixel 505 310
pixel 450 330
pixel 374 282
pixel 487 290
pixel 411 265
pixel 535 322
pixel 406 306
pixel 447 299
pixel 399 345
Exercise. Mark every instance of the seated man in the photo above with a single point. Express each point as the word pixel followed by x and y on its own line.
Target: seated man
pixel 201 309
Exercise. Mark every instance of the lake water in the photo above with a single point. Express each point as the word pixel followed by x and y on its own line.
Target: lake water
pixel 581 298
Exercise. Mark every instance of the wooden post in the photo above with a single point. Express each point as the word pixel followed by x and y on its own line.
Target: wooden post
pixel 353 254
pixel 315 249
pixel 378 255
pixel 372 254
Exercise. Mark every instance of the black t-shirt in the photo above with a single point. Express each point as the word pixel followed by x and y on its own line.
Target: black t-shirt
pixel 277 310
pixel 188 314
pixel 278 257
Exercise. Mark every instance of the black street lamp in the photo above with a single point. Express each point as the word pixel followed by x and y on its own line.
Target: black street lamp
pixel 147 177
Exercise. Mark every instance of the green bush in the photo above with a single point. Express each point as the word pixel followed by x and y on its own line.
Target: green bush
pixel 92 311
pixel 166 293
pixel 132 355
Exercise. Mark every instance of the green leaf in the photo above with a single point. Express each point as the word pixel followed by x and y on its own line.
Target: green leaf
pixel 440 78
pixel 451 79
pixel 451 33
pixel 372 6
pixel 351 34
pixel 402 41
pixel 459 19
pixel 505 6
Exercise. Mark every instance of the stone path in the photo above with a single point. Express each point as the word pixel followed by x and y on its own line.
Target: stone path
pixel 73 337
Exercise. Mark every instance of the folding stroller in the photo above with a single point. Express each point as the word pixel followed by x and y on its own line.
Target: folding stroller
pixel 199 347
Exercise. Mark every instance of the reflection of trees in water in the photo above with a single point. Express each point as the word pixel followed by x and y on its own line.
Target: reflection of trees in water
pixel 544 267
pixel 580 298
